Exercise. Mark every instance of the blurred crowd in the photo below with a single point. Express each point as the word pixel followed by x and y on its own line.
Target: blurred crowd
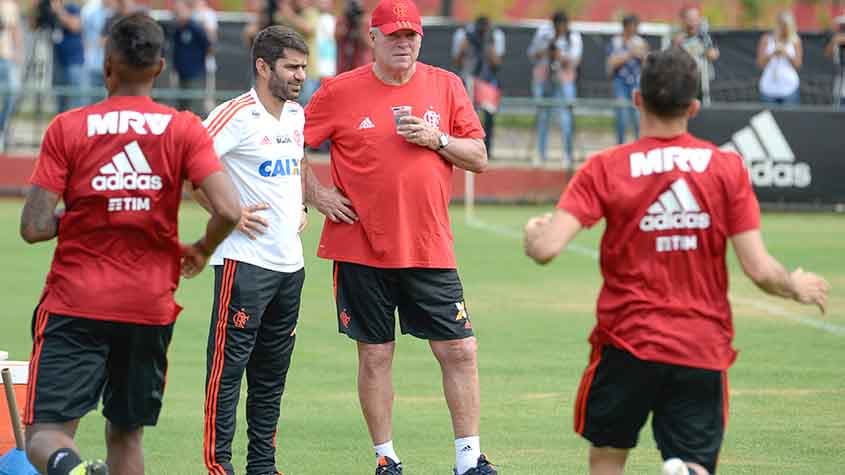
pixel 337 36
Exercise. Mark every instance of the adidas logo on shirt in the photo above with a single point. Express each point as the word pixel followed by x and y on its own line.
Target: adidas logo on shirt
pixel 128 170
pixel 366 124
pixel 676 208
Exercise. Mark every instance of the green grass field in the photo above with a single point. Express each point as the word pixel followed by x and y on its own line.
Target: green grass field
pixel 788 385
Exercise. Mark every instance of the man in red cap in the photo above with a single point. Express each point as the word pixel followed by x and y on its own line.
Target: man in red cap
pixel 398 128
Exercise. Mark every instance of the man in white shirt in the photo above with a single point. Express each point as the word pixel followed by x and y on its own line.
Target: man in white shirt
pixel 259 268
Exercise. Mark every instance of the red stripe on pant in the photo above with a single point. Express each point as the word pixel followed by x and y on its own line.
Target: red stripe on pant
pixel 213 388
pixel 41 317
pixel 584 390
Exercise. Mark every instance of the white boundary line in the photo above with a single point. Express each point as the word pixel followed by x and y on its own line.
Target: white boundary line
pixel 771 309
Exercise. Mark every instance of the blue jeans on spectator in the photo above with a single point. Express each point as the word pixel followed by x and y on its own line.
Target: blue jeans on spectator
pixel 9 81
pixel 625 91
pixel 565 91
pixel 793 99
pixel 68 76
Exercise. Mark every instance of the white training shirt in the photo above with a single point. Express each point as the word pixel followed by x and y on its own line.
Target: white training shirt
pixel 262 155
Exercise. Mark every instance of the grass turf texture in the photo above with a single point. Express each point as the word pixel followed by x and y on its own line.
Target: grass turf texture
pixel 788 384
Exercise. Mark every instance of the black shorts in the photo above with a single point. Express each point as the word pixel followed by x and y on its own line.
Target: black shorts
pixel 76 361
pixel 430 303
pixel 689 406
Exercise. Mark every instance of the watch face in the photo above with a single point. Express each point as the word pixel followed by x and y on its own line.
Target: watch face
pixel 444 140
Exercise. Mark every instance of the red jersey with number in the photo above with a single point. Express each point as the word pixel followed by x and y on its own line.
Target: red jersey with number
pixel 669 205
pixel 119 166
pixel 399 190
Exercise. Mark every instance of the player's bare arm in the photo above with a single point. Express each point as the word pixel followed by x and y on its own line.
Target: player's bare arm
pixel 39 220
pixel 548 235
pixel 225 214
pixel 466 153
pixel 771 277
pixel 329 201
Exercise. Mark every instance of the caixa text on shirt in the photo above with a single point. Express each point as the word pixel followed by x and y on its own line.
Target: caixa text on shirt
pixel 279 167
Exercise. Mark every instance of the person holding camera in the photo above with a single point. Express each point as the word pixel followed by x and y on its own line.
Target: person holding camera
pixel 477 50
pixel 695 39
pixel 556 53
pixel 11 58
pixel 65 25
pixel 780 55
pixel 624 63
pixel 836 51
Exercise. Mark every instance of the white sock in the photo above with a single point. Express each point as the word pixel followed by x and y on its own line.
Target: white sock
pixel 467 451
pixel 386 450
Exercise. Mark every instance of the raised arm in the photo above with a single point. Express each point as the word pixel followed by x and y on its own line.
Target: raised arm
pixel 547 236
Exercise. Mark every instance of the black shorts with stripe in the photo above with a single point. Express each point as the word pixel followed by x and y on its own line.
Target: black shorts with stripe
pixel 430 303
pixel 76 361
pixel 688 406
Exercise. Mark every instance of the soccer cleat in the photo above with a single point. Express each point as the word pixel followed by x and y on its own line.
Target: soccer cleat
pixel 386 466
pixel 484 467
pixel 91 467
pixel 675 466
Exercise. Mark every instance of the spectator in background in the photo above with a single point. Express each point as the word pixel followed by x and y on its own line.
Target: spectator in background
pixel 477 50
pixel 779 55
pixel 556 52
pixel 94 15
pixel 326 53
pixel 206 17
pixel 190 45
pixel 836 51
pixel 303 18
pixel 11 58
pixel 353 43
pixel 694 38
pixel 624 62
pixel 68 52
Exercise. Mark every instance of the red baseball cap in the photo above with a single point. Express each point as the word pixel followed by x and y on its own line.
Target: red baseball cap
pixel 391 16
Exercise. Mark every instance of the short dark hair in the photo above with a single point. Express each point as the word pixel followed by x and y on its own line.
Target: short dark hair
pixel 137 39
pixel 271 42
pixel 559 17
pixel 669 82
pixel 630 20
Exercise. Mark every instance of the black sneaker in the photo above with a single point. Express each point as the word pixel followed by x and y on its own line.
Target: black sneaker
pixel 483 467
pixel 386 466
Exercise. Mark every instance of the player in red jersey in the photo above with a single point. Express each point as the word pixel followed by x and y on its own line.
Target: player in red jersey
pixel 398 128
pixel 662 342
pixel 106 315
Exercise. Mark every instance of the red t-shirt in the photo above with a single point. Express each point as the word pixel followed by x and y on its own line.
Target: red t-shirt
pixel 670 206
pixel 119 167
pixel 399 190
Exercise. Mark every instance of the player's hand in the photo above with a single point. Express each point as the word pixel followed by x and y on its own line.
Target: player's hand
pixel 810 288
pixel 533 229
pixel 336 206
pixel 193 260
pixel 417 131
pixel 251 223
pixel 303 221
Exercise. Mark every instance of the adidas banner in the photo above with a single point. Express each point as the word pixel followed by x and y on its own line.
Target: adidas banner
pixel 794 157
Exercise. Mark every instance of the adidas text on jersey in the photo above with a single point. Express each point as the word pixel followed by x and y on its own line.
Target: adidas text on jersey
pixel 676 208
pixel 128 170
